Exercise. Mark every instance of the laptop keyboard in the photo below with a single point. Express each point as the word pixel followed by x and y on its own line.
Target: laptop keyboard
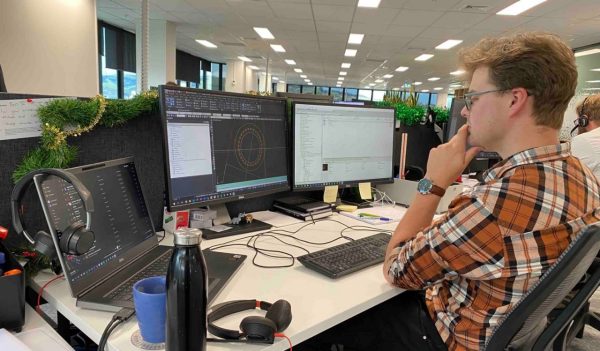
pixel 159 267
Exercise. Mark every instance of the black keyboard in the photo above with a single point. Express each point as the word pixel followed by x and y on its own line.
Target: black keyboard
pixel 348 257
pixel 158 267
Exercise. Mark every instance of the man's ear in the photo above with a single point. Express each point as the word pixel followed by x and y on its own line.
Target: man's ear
pixel 519 97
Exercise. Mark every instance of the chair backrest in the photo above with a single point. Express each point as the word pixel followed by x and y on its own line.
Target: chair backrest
pixel 522 326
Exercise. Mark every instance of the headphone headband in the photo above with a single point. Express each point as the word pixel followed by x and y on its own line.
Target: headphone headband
pixel 21 186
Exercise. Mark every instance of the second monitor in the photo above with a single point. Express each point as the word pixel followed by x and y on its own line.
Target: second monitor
pixel 341 145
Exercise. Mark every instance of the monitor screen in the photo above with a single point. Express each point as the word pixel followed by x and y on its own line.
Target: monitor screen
pixel 341 145
pixel 222 146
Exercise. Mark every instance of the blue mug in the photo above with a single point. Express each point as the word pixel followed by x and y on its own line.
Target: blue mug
pixel 149 298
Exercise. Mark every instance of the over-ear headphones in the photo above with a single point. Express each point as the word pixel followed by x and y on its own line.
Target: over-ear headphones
pixel 582 120
pixel 253 328
pixel 77 238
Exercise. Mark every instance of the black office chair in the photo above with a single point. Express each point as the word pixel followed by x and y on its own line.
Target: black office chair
pixel 526 327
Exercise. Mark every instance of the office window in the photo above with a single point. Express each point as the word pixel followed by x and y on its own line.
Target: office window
pixel 433 99
pixel 350 93
pixel 322 90
pixel 223 75
pixel 215 69
pixel 378 95
pixel 308 89
pixel 423 99
pixel 337 93
pixel 116 62
pixel 365 94
pixel 293 88
pixel 449 101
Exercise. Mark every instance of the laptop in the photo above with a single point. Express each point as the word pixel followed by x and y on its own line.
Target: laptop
pixel 126 247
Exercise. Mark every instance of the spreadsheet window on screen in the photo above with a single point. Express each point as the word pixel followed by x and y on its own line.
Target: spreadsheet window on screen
pixel 336 144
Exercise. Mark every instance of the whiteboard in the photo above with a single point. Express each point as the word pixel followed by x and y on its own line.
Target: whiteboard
pixel 19 119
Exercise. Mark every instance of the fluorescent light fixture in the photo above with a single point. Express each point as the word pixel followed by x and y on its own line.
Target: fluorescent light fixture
pixel 433 79
pixel 350 52
pixel 341 78
pixel 277 48
pixel 343 73
pixel 587 52
pixel 298 70
pixel 303 76
pixel 367 87
pixel 253 67
pixel 275 78
pixel 448 44
pixel 307 80
pixel 368 3
pixel 417 83
pixel 592 81
pixel 339 83
pixel 355 38
pixel 423 57
pixel 388 76
pixel 455 85
pixel 401 69
pixel 396 89
pixel 346 65
pixel 264 33
pixel 206 43
pixel 338 86
pixel 244 58
pixel 438 88
pixel 458 72
pixel 595 69
pixel 591 89
pixel 372 84
pixel 379 81
pixel 425 90
pixel 290 62
pixel 519 7
pixel 309 83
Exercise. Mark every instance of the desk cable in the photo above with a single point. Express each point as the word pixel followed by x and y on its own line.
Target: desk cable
pixel 251 242
pixel 120 317
pixel 41 292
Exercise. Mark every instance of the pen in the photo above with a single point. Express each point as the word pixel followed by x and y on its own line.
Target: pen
pixel 362 214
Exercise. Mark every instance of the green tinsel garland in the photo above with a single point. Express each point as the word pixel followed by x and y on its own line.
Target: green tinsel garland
pixel 63 118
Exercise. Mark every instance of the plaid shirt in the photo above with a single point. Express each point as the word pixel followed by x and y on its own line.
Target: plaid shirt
pixel 496 240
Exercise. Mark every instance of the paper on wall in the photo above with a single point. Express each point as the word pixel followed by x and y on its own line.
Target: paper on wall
pixel 19 118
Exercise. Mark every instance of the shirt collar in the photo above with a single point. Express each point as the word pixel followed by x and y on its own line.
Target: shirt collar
pixel 536 155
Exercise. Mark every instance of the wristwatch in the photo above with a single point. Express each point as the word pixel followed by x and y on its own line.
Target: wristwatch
pixel 425 186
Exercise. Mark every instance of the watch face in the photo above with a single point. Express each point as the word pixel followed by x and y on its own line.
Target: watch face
pixel 424 186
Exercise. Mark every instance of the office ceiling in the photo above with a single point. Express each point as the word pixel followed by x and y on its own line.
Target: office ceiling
pixel 315 33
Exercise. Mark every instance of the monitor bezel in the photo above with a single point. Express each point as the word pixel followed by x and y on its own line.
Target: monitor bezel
pixel 340 185
pixel 254 194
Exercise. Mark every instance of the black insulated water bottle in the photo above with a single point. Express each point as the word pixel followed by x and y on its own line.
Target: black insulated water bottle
pixel 187 285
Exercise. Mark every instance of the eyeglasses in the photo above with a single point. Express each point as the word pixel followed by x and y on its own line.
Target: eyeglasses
pixel 469 96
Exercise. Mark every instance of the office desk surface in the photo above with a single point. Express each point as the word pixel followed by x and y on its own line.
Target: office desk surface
pixel 318 302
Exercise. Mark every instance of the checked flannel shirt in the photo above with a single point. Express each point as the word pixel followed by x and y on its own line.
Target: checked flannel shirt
pixel 496 240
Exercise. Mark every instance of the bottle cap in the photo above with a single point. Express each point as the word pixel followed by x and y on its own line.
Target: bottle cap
pixel 187 236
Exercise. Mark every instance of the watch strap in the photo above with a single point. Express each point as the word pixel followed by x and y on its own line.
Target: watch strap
pixel 436 190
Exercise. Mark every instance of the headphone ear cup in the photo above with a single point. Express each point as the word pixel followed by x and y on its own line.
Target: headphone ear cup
pixel 44 244
pixel 258 329
pixel 281 314
pixel 583 121
pixel 76 239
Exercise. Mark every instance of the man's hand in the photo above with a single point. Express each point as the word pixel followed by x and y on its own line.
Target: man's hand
pixel 447 161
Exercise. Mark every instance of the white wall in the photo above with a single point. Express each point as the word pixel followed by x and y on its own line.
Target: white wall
pixel 49 46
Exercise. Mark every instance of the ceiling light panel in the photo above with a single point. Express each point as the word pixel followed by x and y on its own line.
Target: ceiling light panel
pixel 423 57
pixel 350 52
pixel 388 76
pixel 264 33
pixel 519 7
pixel 355 38
pixel 448 44
pixel 368 3
pixel 457 72
pixel 290 62
pixel 587 52
pixel 433 79
pixel 346 65
pixel 401 69
pixel 298 70
pixel 343 73
pixel 277 48
pixel 206 43
pixel 244 58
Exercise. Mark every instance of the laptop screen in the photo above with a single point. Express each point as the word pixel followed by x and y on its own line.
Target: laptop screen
pixel 121 221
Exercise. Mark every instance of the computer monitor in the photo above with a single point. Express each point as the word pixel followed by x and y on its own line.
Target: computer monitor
pixel 341 145
pixel 222 147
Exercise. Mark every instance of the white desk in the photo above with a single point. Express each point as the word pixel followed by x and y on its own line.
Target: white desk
pixel 318 302
pixel 39 335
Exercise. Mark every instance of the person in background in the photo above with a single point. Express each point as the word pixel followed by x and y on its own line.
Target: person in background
pixel 586 145
pixel 465 271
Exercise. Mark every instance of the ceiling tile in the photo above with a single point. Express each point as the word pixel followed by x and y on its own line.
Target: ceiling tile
pixel 292 10
pixel 416 18
pixel 333 27
pixel 436 5
pixel 459 19
pixel 378 15
pixel 339 13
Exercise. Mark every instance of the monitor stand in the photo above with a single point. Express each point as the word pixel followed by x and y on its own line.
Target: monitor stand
pixel 351 196
pixel 223 220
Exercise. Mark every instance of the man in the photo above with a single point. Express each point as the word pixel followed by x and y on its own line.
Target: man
pixel 495 241
pixel 586 145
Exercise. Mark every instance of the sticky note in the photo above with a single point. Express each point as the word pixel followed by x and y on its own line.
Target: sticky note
pixel 365 190
pixel 330 194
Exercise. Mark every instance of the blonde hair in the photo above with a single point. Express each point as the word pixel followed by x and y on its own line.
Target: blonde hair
pixel 541 63
pixel 591 108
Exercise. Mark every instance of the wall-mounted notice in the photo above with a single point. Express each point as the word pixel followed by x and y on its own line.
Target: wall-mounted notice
pixel 19 119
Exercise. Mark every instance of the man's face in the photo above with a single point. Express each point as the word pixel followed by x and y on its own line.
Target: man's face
pixel 487 115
